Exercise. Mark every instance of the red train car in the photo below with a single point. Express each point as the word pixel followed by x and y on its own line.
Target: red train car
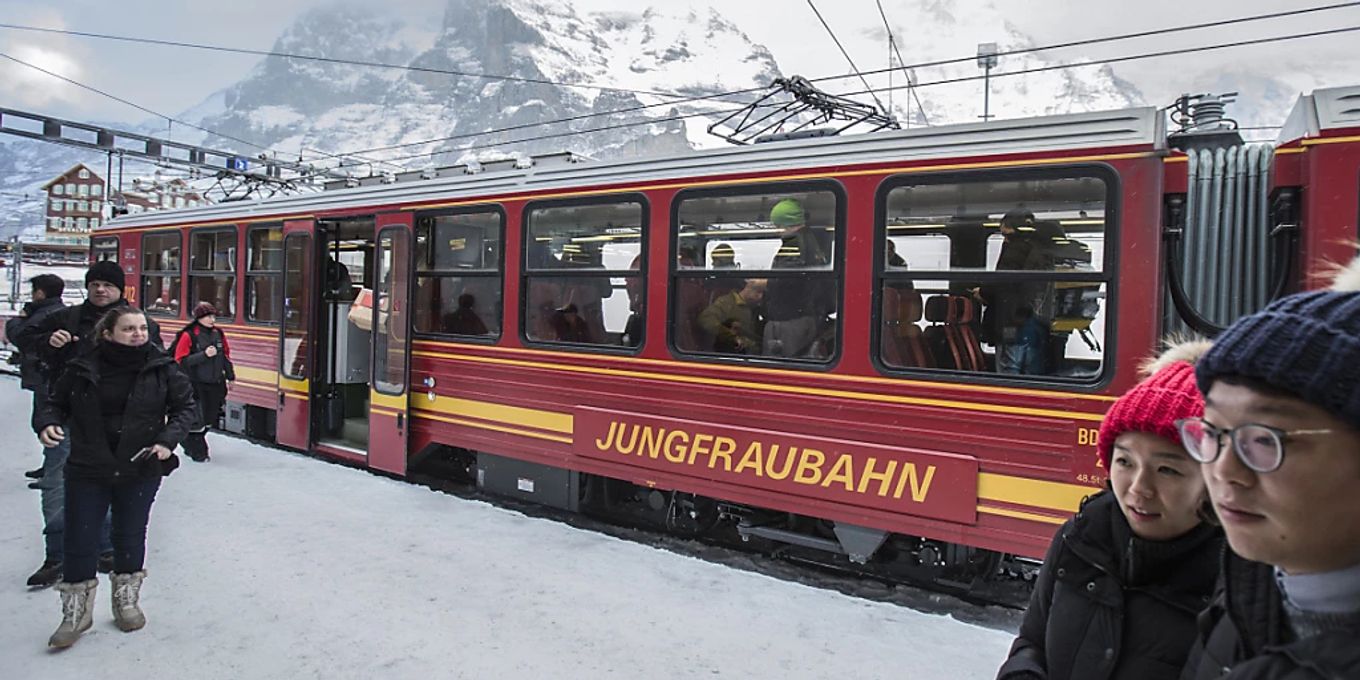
pixel 833 344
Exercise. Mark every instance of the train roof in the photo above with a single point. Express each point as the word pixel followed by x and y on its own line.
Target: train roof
pixel 1326 112
pixel 1127 128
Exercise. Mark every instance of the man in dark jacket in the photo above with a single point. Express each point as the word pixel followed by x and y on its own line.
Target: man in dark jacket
pixel 63 337
pixel 1280 448
pixel 59 338
pixel 1014 320
pixel 795 306
pixel 45 301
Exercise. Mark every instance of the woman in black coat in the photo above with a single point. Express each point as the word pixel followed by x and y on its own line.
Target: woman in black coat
pixel 125 407
pixel 203 353
pixel 1124 580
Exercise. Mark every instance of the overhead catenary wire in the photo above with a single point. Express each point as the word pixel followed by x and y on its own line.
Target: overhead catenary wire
pixel 338 60
pixel 1133 57
pixel 904 67
pixel 166 117
pixel 945 81
pixel 892 46
pixel 699 98
pixel 841 47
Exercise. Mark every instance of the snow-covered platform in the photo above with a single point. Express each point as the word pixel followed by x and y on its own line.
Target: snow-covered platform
pixel 266 564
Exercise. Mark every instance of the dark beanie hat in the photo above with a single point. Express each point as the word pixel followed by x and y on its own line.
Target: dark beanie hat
pixel 105 270
pixel 1306 344
pixel 203 309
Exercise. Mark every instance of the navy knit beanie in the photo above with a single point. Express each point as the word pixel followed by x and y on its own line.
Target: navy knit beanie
pixel 1306 344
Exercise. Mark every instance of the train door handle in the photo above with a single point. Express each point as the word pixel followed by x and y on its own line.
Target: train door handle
pixel 401 421
pixel 281 398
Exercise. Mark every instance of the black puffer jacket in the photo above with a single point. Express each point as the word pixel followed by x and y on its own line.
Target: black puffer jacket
pixel 1108 605
pixel 160 410
pixel 78 320
pixel 190 350
pixel 1245 636
pixel 32 369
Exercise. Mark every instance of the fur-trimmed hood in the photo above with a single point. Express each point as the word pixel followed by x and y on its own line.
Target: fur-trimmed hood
pixel 1347 278
pixel 1177 348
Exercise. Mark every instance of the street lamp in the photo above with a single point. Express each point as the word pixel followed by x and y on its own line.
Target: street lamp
pixel 986 60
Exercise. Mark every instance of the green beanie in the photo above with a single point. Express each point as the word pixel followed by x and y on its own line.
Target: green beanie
pixel 787 213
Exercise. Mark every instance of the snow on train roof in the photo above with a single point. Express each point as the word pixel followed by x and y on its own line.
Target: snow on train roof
pixel 1138 127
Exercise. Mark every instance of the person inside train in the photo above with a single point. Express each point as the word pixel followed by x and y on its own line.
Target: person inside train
pixel 732 322
pixel 795 307
pixel 465 320
pixel 1124 579
pixel 568 326
pixel 124 407
pixel 339 285
pixel 723 258
pixel 1279 444
pixel 1010 306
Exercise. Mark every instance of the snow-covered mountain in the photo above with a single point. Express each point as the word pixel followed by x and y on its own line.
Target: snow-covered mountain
pixel 550 52
pixel 305 107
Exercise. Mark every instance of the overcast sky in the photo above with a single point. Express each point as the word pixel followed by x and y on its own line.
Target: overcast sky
pixel 171 80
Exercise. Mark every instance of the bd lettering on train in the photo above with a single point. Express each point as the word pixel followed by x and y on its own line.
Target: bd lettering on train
pixel 928 484
pixel 1087 436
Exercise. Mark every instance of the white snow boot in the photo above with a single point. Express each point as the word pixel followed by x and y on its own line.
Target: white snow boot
pixel 126 588
pixel 77 601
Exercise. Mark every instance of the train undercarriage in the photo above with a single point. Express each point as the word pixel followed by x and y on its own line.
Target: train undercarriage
pixel 970 573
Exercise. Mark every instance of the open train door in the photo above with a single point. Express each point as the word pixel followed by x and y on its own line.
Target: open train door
pixel 295 331
pixel 389 397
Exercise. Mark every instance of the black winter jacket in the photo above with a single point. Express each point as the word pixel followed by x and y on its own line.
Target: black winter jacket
pixel 1109 606
pixel 1245 636
pixel 189 350
pixel 79 320
pixel 32 369
pixel 160 410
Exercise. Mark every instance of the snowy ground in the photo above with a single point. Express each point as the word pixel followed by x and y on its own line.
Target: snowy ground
pixel 265 564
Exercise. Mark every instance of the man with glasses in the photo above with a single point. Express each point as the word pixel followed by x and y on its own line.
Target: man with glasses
pixel 1280 447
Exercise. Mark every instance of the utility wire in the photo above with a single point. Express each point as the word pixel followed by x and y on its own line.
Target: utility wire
pixel 1124 36
pixel 946 81
pixel 1133 57
pixel 158 114
pixel 892 43
pixel 337 60
pixel 847 55
pixel 906 67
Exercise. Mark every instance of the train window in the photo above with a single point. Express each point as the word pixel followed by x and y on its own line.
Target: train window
pixel 458 273
pixel 161 273
pixel 757 274
pixel 264 268
pixel 212 270
pixel 297 289
pixel 393 275
pixel 583 273
pixel 104 248
pixel 996 272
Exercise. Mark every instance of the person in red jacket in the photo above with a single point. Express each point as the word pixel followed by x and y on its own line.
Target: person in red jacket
pixel 205 357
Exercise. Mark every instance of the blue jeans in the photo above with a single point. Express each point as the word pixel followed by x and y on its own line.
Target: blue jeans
pixel 88 502
pixel 52 487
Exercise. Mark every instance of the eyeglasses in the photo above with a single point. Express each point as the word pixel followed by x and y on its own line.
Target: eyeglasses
pixel 1259 447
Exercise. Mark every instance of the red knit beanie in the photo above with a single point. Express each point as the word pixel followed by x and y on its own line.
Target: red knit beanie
pixel 1152 406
